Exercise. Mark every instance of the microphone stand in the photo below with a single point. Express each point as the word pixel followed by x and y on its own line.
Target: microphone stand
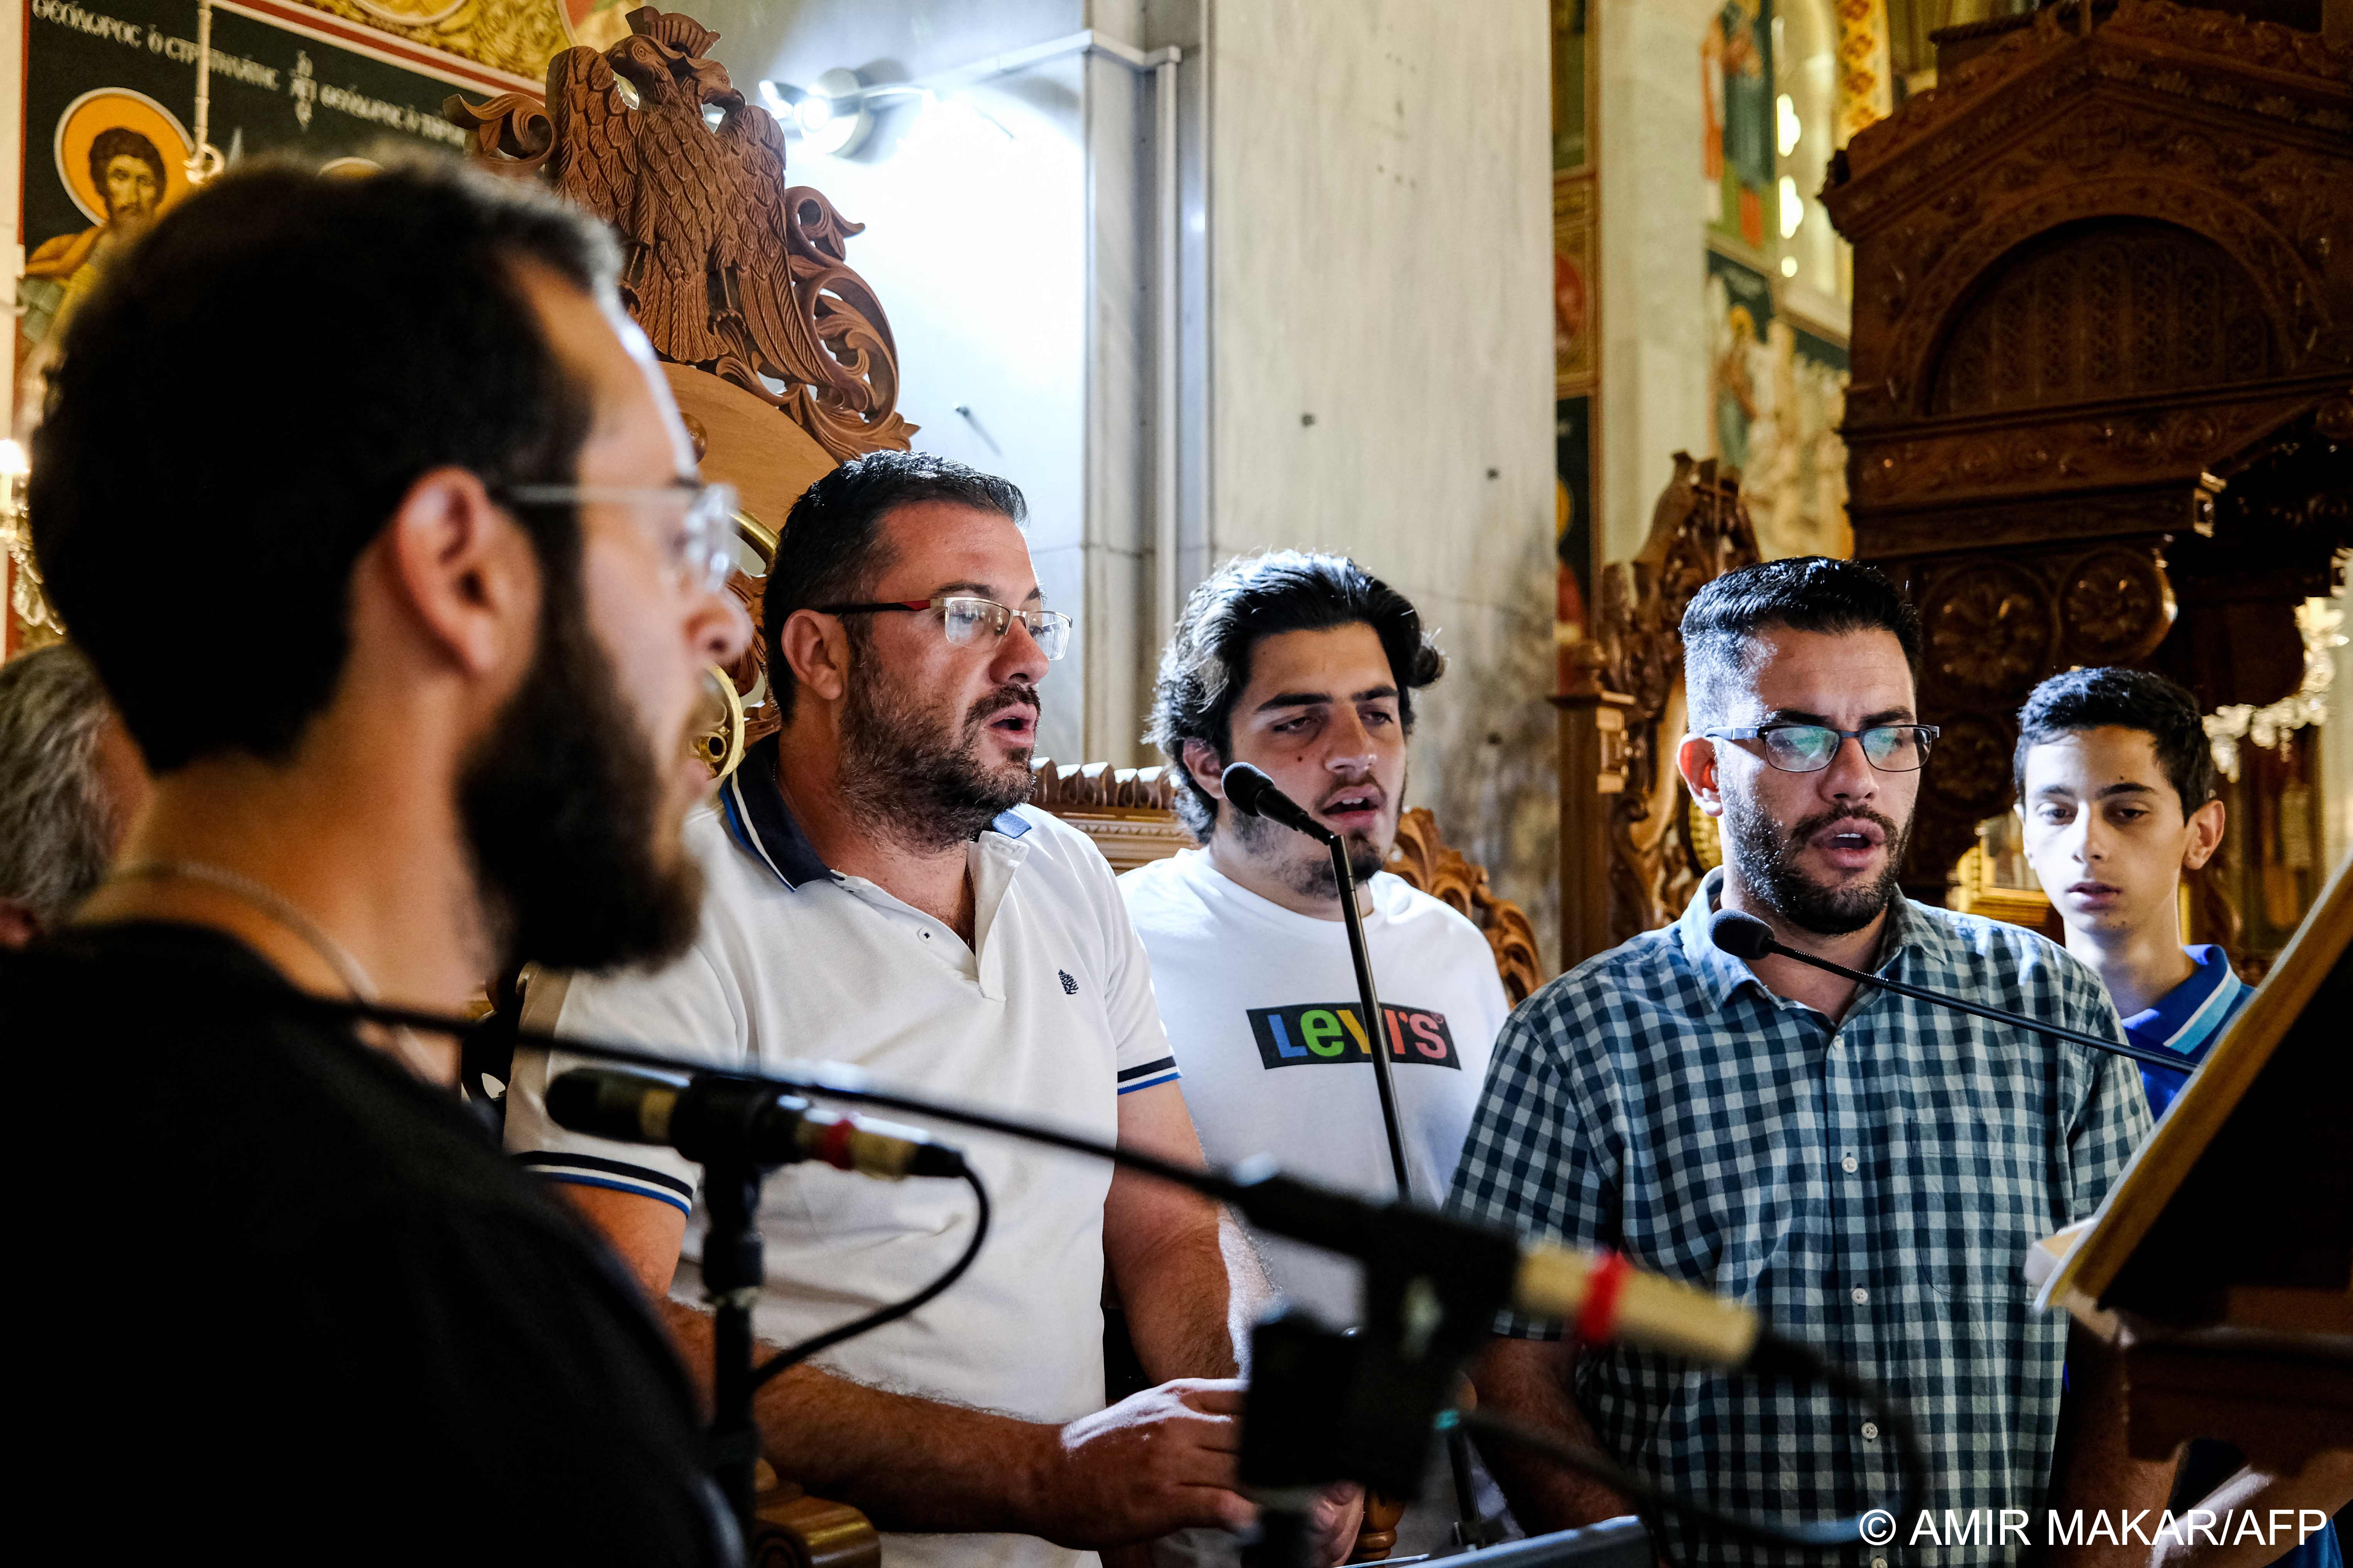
pixel 1375 1041
pixel 1468 1521
pixel 1281 1539
pixel 732 1272
pixel 2000 1015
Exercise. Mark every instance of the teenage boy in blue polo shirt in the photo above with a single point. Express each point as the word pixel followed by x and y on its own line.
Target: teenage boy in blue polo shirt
pixel 2116 787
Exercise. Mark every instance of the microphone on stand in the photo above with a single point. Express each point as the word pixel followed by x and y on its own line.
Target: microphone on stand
pixel 1748 938
pixel 1255 794
pixel 716 1117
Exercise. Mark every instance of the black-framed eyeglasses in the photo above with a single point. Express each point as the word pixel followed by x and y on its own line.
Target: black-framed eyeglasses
pixel 1811 748
pixel 702 550
pixel 966 619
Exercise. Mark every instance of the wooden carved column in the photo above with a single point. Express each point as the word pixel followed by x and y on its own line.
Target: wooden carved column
pixel 1627 859
pixel 2102 402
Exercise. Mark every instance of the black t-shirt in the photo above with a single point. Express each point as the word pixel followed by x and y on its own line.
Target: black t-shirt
pixel 300 1304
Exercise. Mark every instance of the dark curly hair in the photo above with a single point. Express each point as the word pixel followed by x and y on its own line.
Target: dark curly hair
pixel 1251 597
pixel 2128 699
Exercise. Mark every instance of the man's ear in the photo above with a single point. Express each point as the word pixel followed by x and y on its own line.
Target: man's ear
pixel 1201 763
pixel 1209 771
pixel 816 650
pixel 2205 836
pixel 1696 760
pixel 465 571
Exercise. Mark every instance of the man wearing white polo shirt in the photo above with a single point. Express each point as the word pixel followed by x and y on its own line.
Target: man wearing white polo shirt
pixel 875 894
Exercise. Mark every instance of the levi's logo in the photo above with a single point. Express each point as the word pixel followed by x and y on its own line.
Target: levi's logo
pixel 1305 1034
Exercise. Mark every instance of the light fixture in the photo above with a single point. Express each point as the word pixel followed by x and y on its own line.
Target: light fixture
pixel 1788 267
pixel 830 117
pixel 1784 116
pixel 1793 207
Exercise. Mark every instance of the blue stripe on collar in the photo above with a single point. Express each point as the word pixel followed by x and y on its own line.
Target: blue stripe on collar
pixel 2187 1019
pixel 763 826
pixel 752 803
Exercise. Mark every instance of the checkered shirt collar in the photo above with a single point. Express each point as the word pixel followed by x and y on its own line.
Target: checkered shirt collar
pixel 1723 974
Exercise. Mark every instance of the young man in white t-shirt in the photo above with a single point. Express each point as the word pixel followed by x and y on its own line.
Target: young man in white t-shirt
pixel 1305 666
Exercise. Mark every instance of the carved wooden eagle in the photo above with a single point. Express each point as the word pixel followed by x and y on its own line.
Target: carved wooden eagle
pixel 727 268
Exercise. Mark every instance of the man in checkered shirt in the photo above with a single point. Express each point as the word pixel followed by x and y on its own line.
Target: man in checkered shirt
pixel 1867 1172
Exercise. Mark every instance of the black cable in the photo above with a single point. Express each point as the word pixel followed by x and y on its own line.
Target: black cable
pixel 1643 1494
pixel 1774 1355
pixel 793 1355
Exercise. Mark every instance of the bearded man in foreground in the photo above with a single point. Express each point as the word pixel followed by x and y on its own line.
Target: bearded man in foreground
pixel 1865 1171
pixel 416 706
pixel 878 895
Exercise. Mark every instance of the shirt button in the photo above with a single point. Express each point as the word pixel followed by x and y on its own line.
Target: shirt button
pixel 1878 1562
pixel 1849 1165
pixel 1871 1430
pixel 1859 1295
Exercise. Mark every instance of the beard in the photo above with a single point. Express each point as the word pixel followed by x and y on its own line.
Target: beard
pixel 921 779
pixel 563 809
pixel 1272 844
pixel 1768 858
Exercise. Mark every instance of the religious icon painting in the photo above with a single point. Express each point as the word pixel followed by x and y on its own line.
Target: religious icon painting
pixel 109 108
pixel 121 159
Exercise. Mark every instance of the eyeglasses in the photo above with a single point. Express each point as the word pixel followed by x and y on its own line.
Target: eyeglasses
pixel 966 618
pixel 703 551
pixel 1811 748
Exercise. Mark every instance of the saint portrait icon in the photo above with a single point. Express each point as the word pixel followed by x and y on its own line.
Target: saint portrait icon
pixel 123 157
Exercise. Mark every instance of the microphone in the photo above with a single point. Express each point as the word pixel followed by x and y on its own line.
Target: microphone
pixel 717 1117
pixel 1254 794
pixel 1605 1298
pixel 1749 939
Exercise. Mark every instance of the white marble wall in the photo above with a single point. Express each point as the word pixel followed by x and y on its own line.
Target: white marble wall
pixel 1380 223
pixel 978 217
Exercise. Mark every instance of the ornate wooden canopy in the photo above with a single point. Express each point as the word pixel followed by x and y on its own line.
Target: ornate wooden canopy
pixel 2102 405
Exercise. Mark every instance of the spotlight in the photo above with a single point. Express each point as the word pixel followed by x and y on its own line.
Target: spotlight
pixel 830 117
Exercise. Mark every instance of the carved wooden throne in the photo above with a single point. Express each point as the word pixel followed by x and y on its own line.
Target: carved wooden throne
pixel 2102 406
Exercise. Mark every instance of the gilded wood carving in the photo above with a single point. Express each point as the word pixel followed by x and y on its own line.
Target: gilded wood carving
pixel 2103 324
pixel 1635 658
pixel 728 268
pixel 1427 862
